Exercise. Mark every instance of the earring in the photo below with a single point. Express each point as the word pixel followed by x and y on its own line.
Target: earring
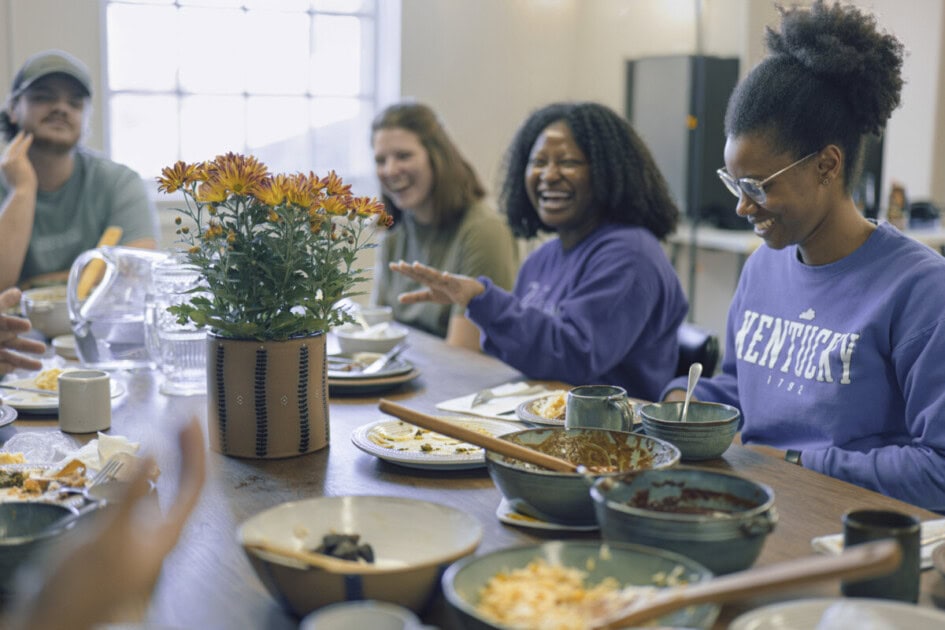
pixel 825 180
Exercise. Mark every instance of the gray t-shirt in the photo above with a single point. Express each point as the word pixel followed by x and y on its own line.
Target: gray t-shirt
pixel 99 194
pixel 480 244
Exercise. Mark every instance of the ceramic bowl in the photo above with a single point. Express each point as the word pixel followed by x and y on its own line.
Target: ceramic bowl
pixel 25 528
pixel 719 519
pixel 564 497
pixel 46 309
pixel 378 338
pixel 630 565
pixel 413 542
pixel 707 432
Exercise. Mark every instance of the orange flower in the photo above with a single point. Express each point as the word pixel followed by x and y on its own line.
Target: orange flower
pixel 239 174
pixel 335 186
pixel 337 206
pixel 272 190
pixel 181 175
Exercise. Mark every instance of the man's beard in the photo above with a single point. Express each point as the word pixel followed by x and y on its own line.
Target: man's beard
pixel 53 145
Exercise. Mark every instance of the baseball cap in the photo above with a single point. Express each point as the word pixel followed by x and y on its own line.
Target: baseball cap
pixel 51 62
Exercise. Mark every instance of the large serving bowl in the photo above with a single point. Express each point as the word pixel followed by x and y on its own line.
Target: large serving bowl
pixel 630 565
pixel 379 338
pixel 564 497
pixel 707 432
pixel 718 519
pixel 25 528
pixel 46 309
pixel 413 542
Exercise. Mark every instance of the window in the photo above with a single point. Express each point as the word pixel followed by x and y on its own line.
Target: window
pixel 294 82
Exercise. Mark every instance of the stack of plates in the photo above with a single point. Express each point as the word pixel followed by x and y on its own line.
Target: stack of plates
pixel 352 381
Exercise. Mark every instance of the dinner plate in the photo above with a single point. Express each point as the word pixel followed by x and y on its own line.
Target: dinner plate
pixel 510 516
pixel 527 411
pixel 7 414
pixel 804 614
pixel 394 368
pixel 27 402
pixel 405 443
pixel 369 385
pixel 13 494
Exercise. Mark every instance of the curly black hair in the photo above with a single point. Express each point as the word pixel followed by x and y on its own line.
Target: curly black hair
pixel 831 78
pixel 627 185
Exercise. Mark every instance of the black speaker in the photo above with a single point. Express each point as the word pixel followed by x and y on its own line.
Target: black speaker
pixel 677 105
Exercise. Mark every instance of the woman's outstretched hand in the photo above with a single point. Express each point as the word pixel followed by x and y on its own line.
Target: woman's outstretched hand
pixel 442 287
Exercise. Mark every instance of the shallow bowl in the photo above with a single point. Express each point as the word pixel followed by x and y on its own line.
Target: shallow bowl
pixel 707 432
pixel 378 338
pixel 413 542
pixel 46 309
pixel 630 565
pixel 719 519
pixel 25 528
pixel 564 497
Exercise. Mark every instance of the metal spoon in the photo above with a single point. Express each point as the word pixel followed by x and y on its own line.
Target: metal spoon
pixel 695 371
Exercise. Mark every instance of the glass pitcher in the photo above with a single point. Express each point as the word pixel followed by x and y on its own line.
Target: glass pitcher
pixel 108 316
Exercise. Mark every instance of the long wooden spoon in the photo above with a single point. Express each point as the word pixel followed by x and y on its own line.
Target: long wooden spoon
pixel 488 442
pixel 860 561
pixel 317 560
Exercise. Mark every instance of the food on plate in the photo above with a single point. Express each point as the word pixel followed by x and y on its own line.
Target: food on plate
pixel 551 407
pixel 48 379
pixel 401 436
pixel 26 482
pixel 12 458
pixel 544 596
pixel 346 547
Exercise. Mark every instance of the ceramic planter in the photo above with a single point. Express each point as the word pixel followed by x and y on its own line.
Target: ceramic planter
pixel 267 399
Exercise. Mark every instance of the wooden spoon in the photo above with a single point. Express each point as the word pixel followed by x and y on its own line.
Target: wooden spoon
pixel 859 561
pixel 488 442
pixel 317 560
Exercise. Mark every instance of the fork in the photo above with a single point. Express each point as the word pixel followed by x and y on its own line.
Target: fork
pixel 107 473
pixel 485 395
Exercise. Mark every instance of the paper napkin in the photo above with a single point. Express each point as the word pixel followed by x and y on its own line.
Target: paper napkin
pixel 98 451
pixel 933 531
pixel 501 408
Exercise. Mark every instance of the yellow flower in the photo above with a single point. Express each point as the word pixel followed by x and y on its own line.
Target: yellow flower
pixel 272 190
pixel 181 175
pixel 337 206
pixel 211 191
pixel 298 190
pixel 273 216
pixel 239 174
pixel 335 186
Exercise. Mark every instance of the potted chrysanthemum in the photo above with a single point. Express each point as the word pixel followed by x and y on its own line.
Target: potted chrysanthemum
pixel 276 253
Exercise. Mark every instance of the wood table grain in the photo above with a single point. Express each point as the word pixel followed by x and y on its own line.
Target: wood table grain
pixel 207 581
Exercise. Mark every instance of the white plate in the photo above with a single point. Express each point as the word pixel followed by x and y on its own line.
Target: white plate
pixel 7 414
pixel 11 494
pixel 805 614
pixel 64 345
pixel 510 516
pixel 37 403
pixel 444 455
pixel 394 368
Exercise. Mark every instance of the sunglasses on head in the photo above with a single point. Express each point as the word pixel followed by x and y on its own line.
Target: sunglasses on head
pixel 754 188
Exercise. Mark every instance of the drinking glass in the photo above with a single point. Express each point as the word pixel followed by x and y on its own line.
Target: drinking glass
pixel 180 350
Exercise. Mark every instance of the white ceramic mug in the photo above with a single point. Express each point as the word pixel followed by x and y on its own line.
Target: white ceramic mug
pixel 85 401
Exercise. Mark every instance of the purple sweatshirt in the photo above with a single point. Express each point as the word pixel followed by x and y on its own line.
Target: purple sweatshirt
pixel 844 362
pixel 604 312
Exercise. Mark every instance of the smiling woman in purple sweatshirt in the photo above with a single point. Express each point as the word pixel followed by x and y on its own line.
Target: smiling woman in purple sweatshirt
pixel 601 303
pixel 836 334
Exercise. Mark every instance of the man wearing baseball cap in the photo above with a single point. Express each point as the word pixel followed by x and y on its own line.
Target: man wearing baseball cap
pixel 57 197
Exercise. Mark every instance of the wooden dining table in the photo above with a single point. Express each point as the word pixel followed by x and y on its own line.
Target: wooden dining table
pixel 207 581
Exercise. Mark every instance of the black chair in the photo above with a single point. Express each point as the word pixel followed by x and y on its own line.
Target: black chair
pixel 697 344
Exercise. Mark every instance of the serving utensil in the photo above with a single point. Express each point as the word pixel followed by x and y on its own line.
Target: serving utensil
pixel 485 395
pixel 30 390
pixel 860 561
pixel 695 371
pixel 312 559
pixel 488 442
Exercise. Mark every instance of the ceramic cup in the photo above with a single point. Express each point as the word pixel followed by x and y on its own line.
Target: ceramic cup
pixel 377 314
pixel 598 407
pixel 85 401
pixel 862 526
pixel 361 615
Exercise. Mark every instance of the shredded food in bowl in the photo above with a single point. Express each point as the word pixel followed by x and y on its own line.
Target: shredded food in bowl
pixel 544 596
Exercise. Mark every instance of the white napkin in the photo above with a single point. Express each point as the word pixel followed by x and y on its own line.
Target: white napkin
pixel 97 452
pixel 501 408
pixel 934 531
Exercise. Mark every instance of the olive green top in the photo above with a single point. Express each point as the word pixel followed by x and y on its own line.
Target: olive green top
pixel 480 244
